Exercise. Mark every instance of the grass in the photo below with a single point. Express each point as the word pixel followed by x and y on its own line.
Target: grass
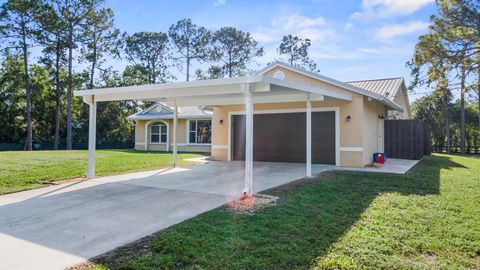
pixel 428 219
pixel 20 170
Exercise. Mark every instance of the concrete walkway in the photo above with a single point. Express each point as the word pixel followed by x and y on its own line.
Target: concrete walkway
pixel 393 165
pixel 60 226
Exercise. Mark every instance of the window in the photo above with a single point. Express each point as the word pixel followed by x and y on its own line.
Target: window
pixel 199 131
pixel 158 133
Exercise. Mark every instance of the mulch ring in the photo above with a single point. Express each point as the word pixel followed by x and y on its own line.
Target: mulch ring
pixel 248 204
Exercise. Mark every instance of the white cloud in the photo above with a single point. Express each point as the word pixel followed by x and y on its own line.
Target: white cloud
pixel 218 3
pixel 395 30
pixel 315 29
pixel 348 26
pixel 389 8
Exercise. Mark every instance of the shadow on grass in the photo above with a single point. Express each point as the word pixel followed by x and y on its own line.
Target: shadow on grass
pixel 311 215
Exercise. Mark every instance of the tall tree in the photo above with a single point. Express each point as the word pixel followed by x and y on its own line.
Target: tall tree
pixel 73 13
pixel 149 52
pixel 52 37
pixel 454 35
pixel 100 38
pixel 296 49
pixel 235 49
pixel 12 99
pixel 458 24
pixel 191 41
pixel 431 64
pixel 213 72
pixel 17 26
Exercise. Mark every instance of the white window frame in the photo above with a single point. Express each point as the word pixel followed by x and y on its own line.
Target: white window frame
pixel 160 133
pixel 187 135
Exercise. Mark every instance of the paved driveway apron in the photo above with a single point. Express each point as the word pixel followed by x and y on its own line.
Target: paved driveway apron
pixel 59 226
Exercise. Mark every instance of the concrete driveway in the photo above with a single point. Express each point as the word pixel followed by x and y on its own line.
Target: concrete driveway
pixel 60 226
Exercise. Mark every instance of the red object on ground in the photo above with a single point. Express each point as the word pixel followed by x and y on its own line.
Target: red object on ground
pixel 380 159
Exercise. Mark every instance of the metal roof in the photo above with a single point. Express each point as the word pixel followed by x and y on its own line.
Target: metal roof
pixel 385 87
pixel 346 85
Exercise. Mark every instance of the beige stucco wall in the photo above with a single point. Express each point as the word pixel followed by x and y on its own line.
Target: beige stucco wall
pixel 401 98
pixel 351 132
pixel 182 143
pixel 373 129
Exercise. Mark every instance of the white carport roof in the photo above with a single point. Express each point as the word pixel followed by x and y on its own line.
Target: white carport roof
pixel 229 91
pixel 215 92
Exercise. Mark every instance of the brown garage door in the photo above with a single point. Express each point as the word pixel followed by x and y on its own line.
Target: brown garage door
pixel 282 137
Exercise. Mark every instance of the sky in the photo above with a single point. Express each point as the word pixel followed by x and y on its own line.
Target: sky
pixel 351 39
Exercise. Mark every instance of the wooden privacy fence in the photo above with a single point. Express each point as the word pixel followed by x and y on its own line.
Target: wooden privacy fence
pixel 407 139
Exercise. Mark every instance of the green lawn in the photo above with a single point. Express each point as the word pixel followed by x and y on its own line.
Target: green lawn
pixel 20 170
pixel 428 219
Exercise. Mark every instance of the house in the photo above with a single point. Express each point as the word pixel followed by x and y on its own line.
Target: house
pixel 344 133
pixel 282 113
pixel 153 132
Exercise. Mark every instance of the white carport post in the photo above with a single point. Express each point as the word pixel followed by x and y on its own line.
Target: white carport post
pixel 309 137
pixel 175 124
pixel 248 140
pixel 92 130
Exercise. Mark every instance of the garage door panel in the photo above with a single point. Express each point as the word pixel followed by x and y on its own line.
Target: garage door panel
pixel 323 137
pixel 282 137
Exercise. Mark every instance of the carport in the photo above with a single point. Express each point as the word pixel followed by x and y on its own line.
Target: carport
pixel 216 92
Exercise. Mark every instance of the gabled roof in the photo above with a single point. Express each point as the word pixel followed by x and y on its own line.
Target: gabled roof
pixel 161 111
pixel 386 87
pixel 359 90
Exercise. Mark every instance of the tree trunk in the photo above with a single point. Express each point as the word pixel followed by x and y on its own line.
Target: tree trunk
pixel 188 69
pixel 153 75
pixel 447 128
pixel 462 112
pixel 94 62
pixel 478 92
pixel 56 136
pixel 188 63
pixel 230 65
pixel 69 88
pixel 28 99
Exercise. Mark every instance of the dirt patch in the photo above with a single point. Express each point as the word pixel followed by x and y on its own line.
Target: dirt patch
pixel 250 204
pixel 63 181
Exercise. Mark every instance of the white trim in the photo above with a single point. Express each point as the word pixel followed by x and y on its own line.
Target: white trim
pixel 139 143
pixel 147 141
pixel 351 149
pixel 219 146
pixel 175 127
pixel 144 111
pixel 92 130
pixel 192 144
pixel 309 139
pixel 248 141
pixel 171 86
pixel 234 99
pixel 319 109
